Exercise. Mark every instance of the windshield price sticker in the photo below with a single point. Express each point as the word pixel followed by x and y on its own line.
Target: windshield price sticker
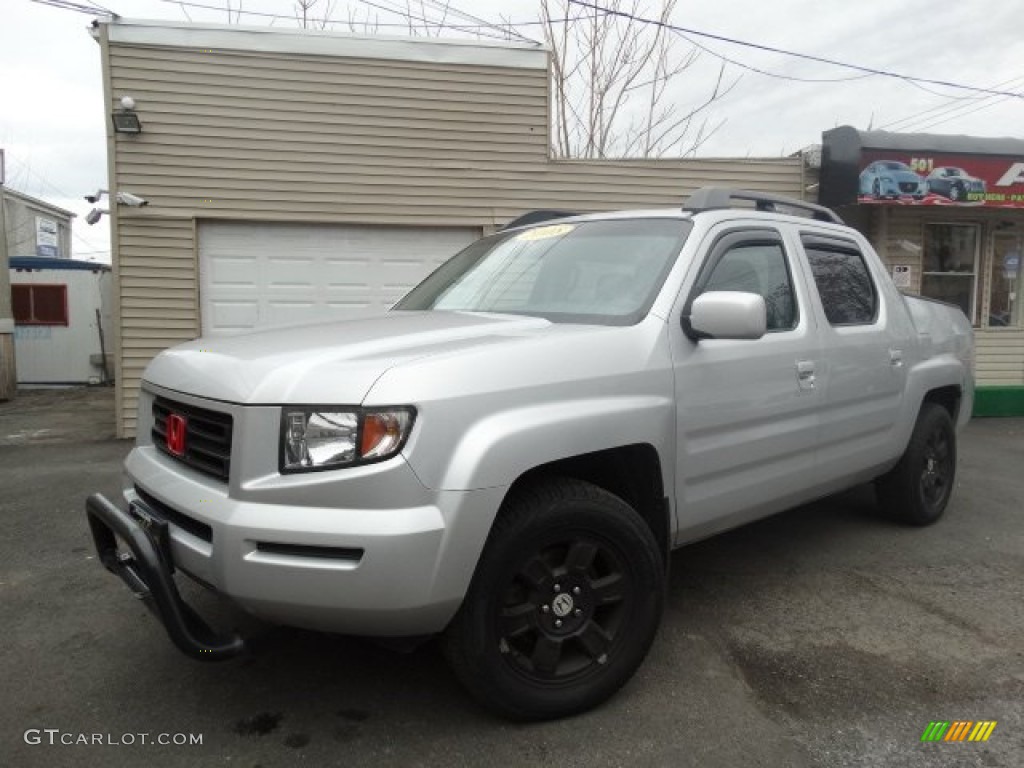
pixel 543 233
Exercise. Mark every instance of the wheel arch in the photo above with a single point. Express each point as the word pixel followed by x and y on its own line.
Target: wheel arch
pixel 631 472
pixel 949 397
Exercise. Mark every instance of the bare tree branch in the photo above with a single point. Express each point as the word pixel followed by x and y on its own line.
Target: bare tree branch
pixel 613 82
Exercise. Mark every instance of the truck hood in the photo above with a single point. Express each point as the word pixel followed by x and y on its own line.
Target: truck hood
pixel 327 363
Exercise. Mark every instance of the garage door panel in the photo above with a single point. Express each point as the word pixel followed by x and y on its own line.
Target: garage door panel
pixel 234 317
pixel 261 275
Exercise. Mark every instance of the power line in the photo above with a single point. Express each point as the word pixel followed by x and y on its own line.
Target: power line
pixel 67 5
pixel 101 8
pixel 427 21
pixel 468 28
pixel 448 8
pixel 965 110
pixel 765 72
pixel 905 123
pixel 805 56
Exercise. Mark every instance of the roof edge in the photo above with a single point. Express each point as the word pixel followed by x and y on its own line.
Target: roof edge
pixel 231 37
pixel 55 209
pixel 936 142
pixel 51 263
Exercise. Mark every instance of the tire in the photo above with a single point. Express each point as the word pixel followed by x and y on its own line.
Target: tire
pixel 956 193
pixel 917 489
pixel 876 189
pixel 564 605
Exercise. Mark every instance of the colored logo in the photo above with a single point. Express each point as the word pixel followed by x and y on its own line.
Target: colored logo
pixel 958 730
pixel 176 424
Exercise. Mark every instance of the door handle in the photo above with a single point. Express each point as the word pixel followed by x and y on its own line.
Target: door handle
pixel 805 374
pixel 896 358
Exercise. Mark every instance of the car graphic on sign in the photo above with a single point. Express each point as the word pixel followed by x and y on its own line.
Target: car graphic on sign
pixel 891 179
pixel 954 183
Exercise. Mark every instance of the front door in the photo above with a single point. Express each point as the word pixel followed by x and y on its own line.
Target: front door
pixel 747 410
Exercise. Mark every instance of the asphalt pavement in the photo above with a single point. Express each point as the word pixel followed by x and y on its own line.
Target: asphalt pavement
pixel 825 636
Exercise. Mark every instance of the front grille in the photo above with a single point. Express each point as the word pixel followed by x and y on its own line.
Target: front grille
pixel 207 437
pixel 174 517
pixel 909 186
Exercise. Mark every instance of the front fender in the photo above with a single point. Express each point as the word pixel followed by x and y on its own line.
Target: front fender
pixel 500 447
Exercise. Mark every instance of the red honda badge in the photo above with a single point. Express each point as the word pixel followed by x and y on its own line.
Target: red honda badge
pixel 176 424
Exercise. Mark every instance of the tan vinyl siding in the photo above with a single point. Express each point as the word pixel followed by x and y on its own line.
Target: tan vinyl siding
pixel 242 135
pixel 1000 357
pixel 157 291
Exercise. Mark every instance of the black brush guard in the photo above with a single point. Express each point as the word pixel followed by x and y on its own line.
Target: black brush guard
pixel 148 571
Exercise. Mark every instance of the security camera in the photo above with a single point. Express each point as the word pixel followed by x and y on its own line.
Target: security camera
pixel 127 198
pixel 94 215
pixel 95 198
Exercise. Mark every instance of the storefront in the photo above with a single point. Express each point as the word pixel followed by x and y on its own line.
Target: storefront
pixel 946 213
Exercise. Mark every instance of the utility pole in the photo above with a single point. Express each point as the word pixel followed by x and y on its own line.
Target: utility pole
pixel 8 377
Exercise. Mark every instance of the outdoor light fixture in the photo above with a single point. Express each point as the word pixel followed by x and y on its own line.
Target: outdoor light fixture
pixel 125 119
pixel 126 122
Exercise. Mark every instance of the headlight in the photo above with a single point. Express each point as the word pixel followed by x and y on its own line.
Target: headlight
pixel 323 438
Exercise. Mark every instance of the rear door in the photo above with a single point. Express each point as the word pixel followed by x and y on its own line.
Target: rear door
pixel 863 376
pixel 747 410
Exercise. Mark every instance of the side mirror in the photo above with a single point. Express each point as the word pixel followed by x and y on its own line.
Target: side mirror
pixel 726 315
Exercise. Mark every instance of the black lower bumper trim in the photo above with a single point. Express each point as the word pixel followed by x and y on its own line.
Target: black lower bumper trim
pixel 147 572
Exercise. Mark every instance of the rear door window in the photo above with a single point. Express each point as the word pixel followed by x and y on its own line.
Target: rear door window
pixel 848 294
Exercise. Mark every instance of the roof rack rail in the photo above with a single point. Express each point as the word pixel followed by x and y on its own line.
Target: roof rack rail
pixel 536 217
pixel 716 198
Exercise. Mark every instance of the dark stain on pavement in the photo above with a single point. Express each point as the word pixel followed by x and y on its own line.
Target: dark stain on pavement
pixel 259 725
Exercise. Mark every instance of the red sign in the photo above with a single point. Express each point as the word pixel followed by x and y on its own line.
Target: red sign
pixel 895 177
pixel 176 424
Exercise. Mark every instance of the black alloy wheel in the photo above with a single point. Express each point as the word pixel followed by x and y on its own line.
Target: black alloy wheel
pixel 563 610
pixel 564 605
pixel 937 469
pixel 917 490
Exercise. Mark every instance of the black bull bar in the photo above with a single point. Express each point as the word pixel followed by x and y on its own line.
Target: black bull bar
pixel 148 572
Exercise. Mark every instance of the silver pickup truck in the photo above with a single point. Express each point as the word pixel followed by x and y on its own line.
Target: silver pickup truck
pixel 507 457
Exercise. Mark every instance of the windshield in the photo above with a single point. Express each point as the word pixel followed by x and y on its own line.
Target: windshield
pixel 606 272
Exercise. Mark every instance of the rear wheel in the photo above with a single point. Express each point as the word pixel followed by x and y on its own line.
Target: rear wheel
pixel 564 605
pixel 918 488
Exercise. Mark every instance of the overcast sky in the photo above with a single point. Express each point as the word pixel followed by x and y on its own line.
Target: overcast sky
pixel 52 116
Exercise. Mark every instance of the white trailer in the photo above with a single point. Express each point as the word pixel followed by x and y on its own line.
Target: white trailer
pixel 57 331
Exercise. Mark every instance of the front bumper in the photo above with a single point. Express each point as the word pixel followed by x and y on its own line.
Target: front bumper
pixel 147 570
pixel 368 551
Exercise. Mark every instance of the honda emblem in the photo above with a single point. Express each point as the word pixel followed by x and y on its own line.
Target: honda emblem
pixel 176 424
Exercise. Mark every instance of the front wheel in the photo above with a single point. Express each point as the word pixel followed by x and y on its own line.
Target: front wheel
pixel 918 488
pixel 564 605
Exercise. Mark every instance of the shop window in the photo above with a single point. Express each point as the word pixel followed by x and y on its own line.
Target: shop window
pixel 950 268
pixel 40 304
pixel 1004 305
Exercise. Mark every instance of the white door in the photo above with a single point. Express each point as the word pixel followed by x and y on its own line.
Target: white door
pixel 254 275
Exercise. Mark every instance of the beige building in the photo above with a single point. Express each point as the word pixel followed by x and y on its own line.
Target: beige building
pixel 293 175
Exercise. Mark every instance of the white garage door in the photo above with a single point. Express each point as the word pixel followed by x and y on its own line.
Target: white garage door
pixel 259 275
